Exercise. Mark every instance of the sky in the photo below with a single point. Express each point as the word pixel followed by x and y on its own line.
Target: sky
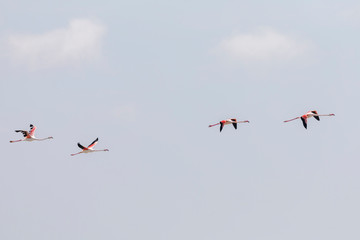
pixel 147 78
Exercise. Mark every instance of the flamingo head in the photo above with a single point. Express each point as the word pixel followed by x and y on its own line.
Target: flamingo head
pixel 106 150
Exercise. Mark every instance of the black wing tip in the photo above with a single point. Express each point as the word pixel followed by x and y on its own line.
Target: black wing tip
pixel 80 146
pixel 304 122
pixel 97 139
pixel 25 133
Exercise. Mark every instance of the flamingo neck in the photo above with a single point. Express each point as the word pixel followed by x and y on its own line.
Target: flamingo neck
pixel 100 150
pixel 324 115
pixel 42 139
pixel 246 121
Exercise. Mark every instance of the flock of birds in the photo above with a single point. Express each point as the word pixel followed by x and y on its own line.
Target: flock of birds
pixel 303 118
pixel 29 136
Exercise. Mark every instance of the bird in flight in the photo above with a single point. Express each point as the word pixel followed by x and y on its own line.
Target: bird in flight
pixel 29 136
pixel 310 114
pixel 228 121
pixel 89 149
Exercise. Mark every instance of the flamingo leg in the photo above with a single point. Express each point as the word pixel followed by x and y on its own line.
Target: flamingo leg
pixel 292 119
pixel 75 153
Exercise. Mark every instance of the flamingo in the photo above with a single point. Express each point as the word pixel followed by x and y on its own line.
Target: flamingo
pixel 30 136
pixel 309 115
pixel 228 121
pixel 89 149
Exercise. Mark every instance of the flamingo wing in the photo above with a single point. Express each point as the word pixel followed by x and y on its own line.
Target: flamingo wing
pixel 93 143
pixel 32 130
pixel 304 121
pixel 234 123
pixel 316 117
pixel 25 133
pixel 81 146
pixel 221 126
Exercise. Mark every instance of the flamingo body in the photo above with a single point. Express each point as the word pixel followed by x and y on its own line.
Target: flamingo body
pixel 227 122
pixel 89 149
pixel 308 115
pixel 29 136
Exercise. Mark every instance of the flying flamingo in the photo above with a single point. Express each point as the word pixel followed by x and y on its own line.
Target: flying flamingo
pixel 30 136
pixel 89 149
pixel 309 115
pixel 229 121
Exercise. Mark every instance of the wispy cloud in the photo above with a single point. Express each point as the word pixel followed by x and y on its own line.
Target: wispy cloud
pixel 261 45
pixel 80 41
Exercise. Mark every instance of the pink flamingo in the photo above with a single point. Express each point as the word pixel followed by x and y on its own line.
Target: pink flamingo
pixel 30 136
pixel 229 121
pixel 309 115
pixel 89 149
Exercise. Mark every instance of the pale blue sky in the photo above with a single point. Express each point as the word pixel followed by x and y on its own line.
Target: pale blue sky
pixel 147 78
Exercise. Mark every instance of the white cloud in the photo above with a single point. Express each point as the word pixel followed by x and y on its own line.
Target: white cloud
pixel 263 44
pixel 79 42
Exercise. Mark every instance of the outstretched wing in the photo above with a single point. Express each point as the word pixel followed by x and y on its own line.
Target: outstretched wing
pixel 316 117
pixel 221 126
pixel 93 143
pixel 304 120
pixel 32 130
pixel 25 133
pixel 81 146
pixel 234 123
